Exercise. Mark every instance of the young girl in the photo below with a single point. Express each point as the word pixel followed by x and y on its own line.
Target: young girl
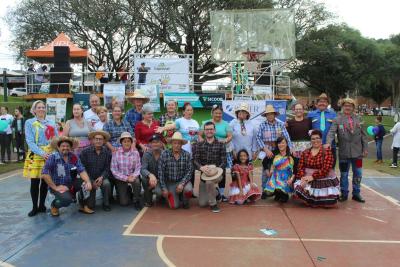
pixel 243 188
pixel 282 172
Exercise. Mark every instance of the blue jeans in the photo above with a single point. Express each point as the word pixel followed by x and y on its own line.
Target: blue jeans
pixel 378 144
pixel 344 166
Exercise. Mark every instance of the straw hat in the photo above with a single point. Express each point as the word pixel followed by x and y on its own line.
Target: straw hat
pixel 100 132
pixel 270 109
pixel 125 135
pixel 57 141
pixel 348 100
pixel 177 136
pixel 242 107
pixel 323 96
pixel 138 95
pixel 214 173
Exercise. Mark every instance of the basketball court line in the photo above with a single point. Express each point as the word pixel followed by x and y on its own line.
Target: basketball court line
pixel 5 264
pixel 161 252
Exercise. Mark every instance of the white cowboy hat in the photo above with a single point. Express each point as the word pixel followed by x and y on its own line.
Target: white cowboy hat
pixel 125 135
pixel 100 132
pixel 214 173
pixel 178 137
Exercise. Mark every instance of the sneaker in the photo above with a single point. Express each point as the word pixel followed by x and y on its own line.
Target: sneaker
pixel 393 165
pixel 1 163
pixel 215 208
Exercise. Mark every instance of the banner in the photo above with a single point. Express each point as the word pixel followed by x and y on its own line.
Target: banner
pixel 114 94
pixel 197 100
pixel 257 108
pixel 153 92
pixel 56 109
pixel 83 99
pixel 171 74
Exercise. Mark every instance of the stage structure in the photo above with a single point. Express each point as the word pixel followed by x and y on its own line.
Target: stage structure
pixel 162 72
pixel 258 44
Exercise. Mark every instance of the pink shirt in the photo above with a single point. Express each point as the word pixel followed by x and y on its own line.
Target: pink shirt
pixel 124 164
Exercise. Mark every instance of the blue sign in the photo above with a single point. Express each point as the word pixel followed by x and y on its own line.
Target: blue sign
pixel 279 106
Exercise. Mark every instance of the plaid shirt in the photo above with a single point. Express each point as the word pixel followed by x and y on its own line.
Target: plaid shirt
pixel 133 117
pixel 124 164
pixel 322 162
pixel 205 153
pixel 96 165
pixel 149 164
pixel 174 170
pixel 165 117
pixel 60 171
pixel 115 130
pixel 269 132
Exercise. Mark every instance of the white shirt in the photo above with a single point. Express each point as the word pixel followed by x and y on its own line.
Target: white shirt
pixel 98 126
pixel 9 119
pixel 245 141
pixel 396 135
pixel 91 116
pixel 189 130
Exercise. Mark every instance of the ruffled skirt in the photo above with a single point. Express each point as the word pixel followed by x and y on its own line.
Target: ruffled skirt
pixel 320 192
pixel 34 164
pixel 250 192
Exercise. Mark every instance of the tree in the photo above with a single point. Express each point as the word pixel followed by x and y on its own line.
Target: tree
pixel 104 26
pixel 336 60
pixel 309 15
pixel 183 26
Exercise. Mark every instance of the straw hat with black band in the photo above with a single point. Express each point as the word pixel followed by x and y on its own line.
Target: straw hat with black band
pixel 137 95
pixel 270 109
pixel 102 133
pixel 56 142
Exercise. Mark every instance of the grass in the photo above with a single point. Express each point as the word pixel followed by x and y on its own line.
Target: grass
pixel 8 167
pixel 384 167
pixel 387 121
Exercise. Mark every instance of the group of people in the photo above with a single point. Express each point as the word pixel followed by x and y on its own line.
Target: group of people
pixel 135 151
pixel 11 131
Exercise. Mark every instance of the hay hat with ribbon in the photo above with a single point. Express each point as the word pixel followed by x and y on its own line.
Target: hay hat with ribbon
pixel 213 173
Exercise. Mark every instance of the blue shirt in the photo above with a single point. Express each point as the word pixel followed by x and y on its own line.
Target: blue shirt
pixel 35 132
pixel 60 171
pixel 115 130
pixel 132 116
pixel 315 117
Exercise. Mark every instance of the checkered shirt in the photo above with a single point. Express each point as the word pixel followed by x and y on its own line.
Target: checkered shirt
pixel 205 153
pixel 124 164
pixel 173 170
pixel 323 162
pixel 269 132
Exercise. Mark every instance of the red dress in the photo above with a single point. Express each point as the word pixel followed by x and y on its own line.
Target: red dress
pixel 143 132
pixel 250 191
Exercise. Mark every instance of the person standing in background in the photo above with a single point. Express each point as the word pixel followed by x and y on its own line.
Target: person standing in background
pixel 6 121
pixel 395 131
pixel 379 139
pixel 18 128
pixel 91 114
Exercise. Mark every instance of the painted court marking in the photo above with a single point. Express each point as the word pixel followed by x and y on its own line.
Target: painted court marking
pixel 161 252
pixel 9 176
pixel 5 264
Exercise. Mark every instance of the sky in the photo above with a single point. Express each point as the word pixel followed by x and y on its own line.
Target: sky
pixel 373 18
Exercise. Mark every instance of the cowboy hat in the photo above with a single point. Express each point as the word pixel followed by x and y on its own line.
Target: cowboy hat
pixel 348 100
pixel 138 95
pixel 270 109
pixel 214 173
pixel 57 141
pixel 125 135
pixel 177 136
pixel 242 107
pixel 323 96
pixel 100 132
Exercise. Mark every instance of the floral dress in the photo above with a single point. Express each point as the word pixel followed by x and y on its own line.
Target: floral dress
pixel 282 172
pixel 250 190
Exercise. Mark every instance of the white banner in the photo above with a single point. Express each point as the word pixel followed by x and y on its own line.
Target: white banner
pixel 56 109
pixel 172 74
pixel 257 107
pixel 114 94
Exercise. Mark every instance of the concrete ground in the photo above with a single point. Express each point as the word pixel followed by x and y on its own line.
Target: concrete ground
pixel 161 237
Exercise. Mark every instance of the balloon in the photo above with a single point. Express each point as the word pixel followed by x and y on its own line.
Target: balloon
pixel 3 125
pixel 375 130
pixel 370 130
